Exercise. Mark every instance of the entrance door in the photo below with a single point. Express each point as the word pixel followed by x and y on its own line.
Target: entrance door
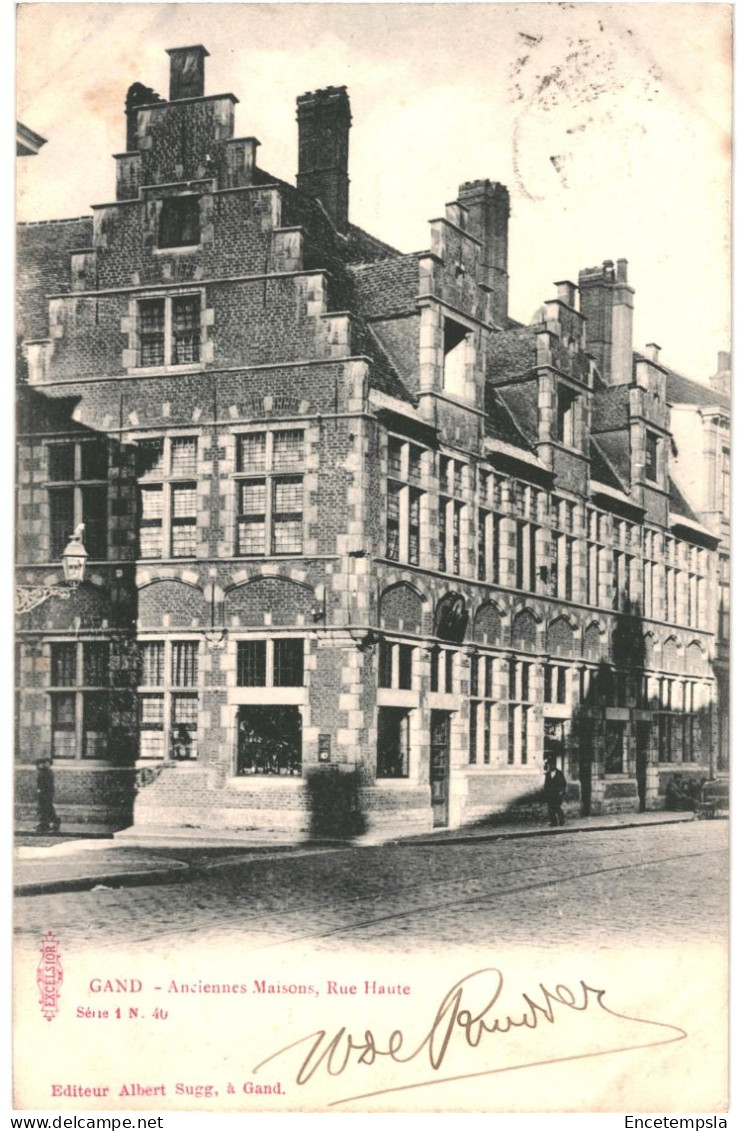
pixel 439 766
pixel 642 740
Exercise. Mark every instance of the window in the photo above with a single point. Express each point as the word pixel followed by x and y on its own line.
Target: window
pixel 168 707
pixel 404 501
pixel 441 670
pixel 450 514
pixel 489 528
pixel 269 503
pixel 567 416
pixel 518 711
pixel 77 493
pixel 726 487
pixel 562 549
pixel 651 457
pixel 179 221
pixel 650 573
pixel 724 586
pixel 455 357
pixel 392 744
pixel 526 556
pixel 269 741
pixel 481 707
pixel 595 557
pixel 169 331
pixel 395 665
pixel 556 683
pixel 614 747
pixel 166 469
pixel 270 663
pixel 80 718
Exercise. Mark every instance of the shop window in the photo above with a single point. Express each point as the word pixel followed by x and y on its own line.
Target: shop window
pixel 269 741
pixel 392 748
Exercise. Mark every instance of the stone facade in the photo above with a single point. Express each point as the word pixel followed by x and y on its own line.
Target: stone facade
pixel 363 550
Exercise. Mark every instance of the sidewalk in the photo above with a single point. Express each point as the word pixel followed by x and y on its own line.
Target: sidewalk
pixel 47 864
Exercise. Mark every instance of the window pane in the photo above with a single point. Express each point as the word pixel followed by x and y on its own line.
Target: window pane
pixel 152 711
pixel 184 710
pixel 253 497
pixel 152 503
pixel 252 452
pixel 151 331
pixel 96 725
pixel 184 541
pixel 287 536
pixel 287 496
pixel 288 449
pixel 179 221
pixel 151 744
pixel 150 459
pixel 61 520
pixel 94 517
pixel 184 500
pixel 251 663
pixel 185 329
pixel 63 665
pixel 395 456
pixel 405 667
pixel 152 663
pixel 288 663
pixel 251 536
pixel 95 459
pixel 61 461
pixel 184 456
pixel 96 664
pixel 63 726
pixel 150 542
pixel 184 663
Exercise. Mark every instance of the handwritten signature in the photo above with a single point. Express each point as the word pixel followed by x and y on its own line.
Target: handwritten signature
pixel 455 1023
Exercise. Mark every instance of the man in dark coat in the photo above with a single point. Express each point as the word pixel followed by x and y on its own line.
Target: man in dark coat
pixel 47 818
pixel 554 792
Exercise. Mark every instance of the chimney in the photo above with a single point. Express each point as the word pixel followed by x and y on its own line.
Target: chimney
pixel 606 303
pixel 721 382
pixel 488 220
pixel 622 315
pixel 187 72
pixel 324 119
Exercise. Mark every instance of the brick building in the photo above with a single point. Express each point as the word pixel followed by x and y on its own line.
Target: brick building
pixel 363 550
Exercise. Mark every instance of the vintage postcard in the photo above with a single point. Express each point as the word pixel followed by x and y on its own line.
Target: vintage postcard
pixel 372 558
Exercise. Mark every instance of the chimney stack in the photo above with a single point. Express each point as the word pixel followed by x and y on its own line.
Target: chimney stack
pixel 721 382
pixel 488 220
pixel 622 315
pixel 607 304
pixel 324 119
pixel 187 72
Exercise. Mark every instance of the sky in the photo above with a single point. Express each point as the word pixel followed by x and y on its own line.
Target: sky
pixel 610 125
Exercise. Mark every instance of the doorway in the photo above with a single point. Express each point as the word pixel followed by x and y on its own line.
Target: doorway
pixel 439 766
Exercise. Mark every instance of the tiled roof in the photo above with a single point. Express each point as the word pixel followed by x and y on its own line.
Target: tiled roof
pixel 511 352
pixel 610 408
pixel 602 470
pixel 682 390
pixel 500 423
pixel 678 503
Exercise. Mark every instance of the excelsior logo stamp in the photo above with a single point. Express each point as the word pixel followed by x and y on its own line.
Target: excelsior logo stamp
pixel 49 976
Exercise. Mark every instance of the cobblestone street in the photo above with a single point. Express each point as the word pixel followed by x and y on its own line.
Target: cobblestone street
pixel 628 886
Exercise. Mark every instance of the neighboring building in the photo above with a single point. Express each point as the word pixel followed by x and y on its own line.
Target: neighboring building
pixel 27 143
pixel 363 550
pixel 700 422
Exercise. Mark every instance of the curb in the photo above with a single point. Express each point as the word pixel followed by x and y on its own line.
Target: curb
pixel 181 871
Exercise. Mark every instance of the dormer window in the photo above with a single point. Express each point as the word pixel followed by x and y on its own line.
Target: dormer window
pixel 179 222
pixel 567 416
pixel 651 457
pixel 455 339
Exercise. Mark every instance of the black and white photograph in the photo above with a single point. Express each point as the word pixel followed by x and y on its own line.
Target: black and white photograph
pixel 372 574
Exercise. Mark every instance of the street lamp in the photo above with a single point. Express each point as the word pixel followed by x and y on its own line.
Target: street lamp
pixel 73 560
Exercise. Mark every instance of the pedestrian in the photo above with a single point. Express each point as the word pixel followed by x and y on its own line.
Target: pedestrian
pixel 47 818
pixel 554 792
